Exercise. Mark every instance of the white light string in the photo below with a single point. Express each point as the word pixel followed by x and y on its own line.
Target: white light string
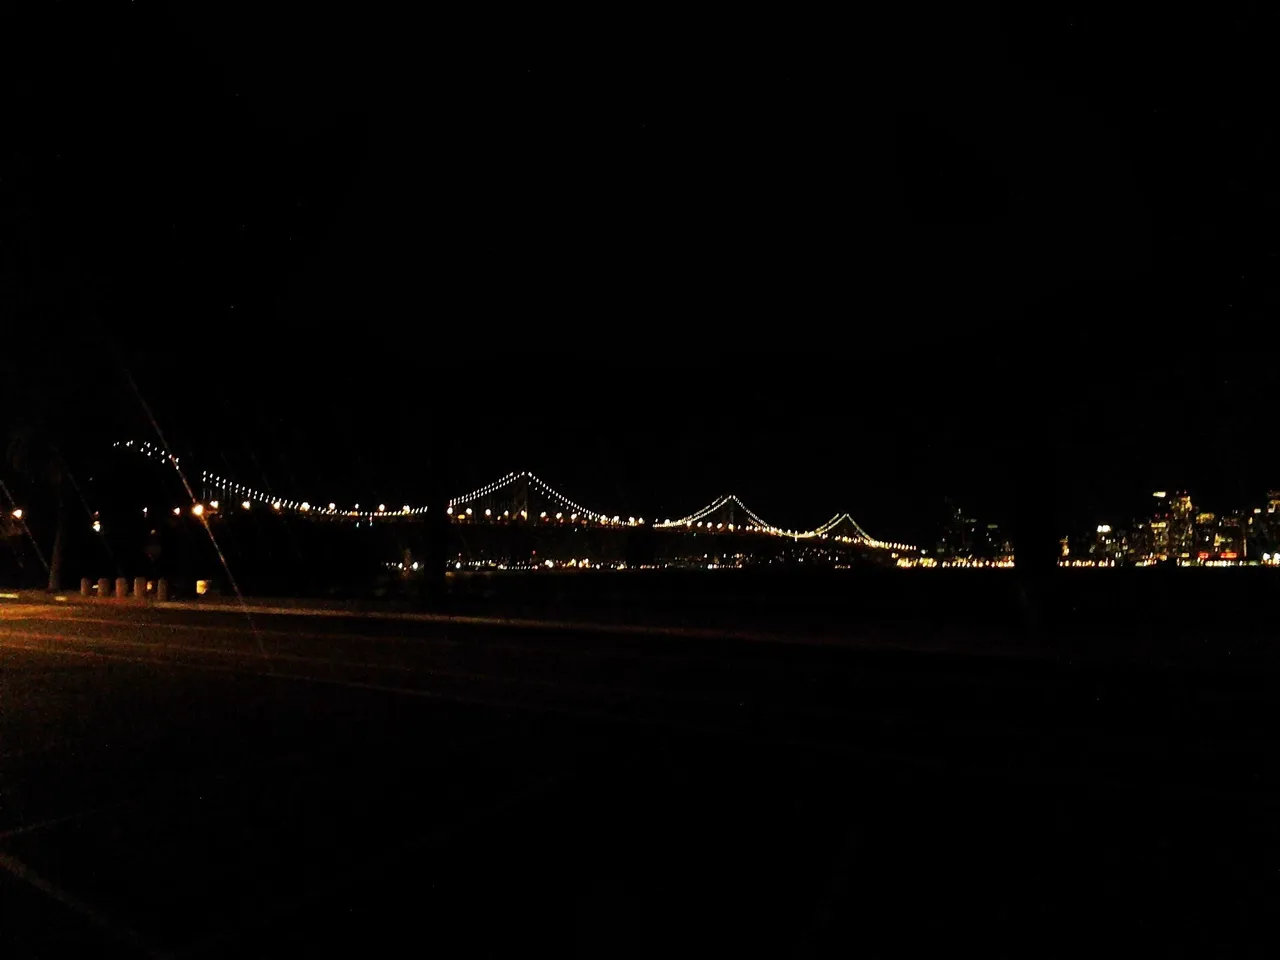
pixel 249 494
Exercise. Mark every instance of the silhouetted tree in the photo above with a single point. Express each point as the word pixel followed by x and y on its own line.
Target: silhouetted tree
pixel 33 454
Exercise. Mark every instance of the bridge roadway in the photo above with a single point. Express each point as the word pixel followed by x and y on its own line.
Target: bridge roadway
pixel 179 784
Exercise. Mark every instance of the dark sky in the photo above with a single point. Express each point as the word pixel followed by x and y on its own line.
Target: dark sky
pixel 830 265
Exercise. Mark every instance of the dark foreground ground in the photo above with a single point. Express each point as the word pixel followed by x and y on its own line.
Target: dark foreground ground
pixel 187 784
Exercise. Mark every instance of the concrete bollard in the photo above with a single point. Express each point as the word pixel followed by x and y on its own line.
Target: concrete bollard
pixel 140 587
pixel 122 588
pixel 86 588
pixel 104 588
pixel 162 590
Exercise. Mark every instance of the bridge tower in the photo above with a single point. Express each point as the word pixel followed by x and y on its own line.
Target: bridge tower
pixel 520 497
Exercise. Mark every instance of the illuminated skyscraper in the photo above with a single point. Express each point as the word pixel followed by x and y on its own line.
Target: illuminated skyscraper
pixel 1228 539
pixel 1160 537
pixel 1181 525
pixel 1109 544
pixel 1204 544
pixel 1155 537
pixel 1140 544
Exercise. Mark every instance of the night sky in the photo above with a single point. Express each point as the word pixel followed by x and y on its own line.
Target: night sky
pixel 861 265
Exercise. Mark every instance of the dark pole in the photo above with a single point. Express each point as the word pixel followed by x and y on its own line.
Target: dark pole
pixel 439 489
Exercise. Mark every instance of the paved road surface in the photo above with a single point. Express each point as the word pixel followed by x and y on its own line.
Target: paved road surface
pixel 195 785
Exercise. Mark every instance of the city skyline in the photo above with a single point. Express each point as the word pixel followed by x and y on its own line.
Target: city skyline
pixel 1180 531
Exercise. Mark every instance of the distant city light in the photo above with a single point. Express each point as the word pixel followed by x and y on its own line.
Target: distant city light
pixel 245 505
pixel 214 504
pixel 17 514
pixel 198 509
pixel 97 526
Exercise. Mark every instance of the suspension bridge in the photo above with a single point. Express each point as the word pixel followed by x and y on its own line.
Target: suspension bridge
pixel 522 497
